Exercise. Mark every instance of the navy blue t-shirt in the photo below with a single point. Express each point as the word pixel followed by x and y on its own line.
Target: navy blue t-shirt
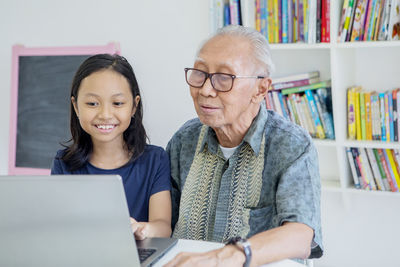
pixel 147 175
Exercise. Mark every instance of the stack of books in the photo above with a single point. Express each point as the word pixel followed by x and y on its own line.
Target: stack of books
pixel 375 169
pixel 304 100
pixel 369 20
pixel 372 115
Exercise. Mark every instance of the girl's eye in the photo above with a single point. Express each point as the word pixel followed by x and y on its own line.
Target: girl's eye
pixel 118 103
pixel 92 104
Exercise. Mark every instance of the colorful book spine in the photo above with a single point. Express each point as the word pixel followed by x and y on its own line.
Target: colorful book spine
pixel 353 168
pixel 395 116
pixel 362 116
pixel 357 112
pixel 299 89
pixel 367 20
pixel 375 169
pixel 359 19
pixel 387 119
pixel 355 153
pixel 291 84
pixel 382 113
pixel 368 115
pixel 367 167
pixel 314 113
pixel 391 121
pixel 381 170
pixel 263 18
pixel 328 21
pixel 393 169
pixel 325 98
pixel 285 22
pixel 342 18
pixel 347 21
pixel 386 168
pixel 258 15
pixel 351 122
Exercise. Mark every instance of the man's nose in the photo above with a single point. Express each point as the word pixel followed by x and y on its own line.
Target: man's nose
pixel 207 89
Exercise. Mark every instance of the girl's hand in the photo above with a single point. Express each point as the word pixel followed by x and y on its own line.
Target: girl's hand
pixel 140 229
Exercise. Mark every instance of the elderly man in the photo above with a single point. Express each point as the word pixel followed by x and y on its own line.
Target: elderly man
pixel 242 175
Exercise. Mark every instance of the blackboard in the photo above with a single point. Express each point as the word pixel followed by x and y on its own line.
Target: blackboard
pixel 40 105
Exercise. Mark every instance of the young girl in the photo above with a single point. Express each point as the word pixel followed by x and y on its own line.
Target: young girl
pixel 108 137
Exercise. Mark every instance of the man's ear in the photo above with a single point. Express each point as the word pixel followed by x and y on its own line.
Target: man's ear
pixel 73 101
pixel 263 87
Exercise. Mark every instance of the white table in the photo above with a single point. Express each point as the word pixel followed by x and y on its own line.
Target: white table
pixel 203 246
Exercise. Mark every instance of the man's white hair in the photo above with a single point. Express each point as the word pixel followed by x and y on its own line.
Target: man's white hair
pixel 261 50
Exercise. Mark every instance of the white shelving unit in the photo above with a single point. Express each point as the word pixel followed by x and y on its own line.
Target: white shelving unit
pixel 360 228
pixel 372 65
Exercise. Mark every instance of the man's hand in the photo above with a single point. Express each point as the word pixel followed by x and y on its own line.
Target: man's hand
pixel 226 256
pixel 140 229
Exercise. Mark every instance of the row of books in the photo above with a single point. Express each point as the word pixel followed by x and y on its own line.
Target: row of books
pixel 375 169
pixel 308 104
pixel 372 115
pixel 280 21
pixel 290 21
pixel 369 20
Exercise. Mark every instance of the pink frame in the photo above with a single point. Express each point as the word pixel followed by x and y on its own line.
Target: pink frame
pixel 19 50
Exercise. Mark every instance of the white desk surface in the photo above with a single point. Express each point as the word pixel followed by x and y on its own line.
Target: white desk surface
pixel 203 246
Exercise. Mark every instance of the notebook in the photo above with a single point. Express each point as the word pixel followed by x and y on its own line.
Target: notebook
pixel 69 220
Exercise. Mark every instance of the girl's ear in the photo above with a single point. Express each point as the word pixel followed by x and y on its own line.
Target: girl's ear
pixel 73 100
pixel 134 108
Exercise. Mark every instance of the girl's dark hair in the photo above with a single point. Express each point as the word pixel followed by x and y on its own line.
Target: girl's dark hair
pixel 77 154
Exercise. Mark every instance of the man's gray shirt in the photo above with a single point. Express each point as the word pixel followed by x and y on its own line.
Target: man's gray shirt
pixel 271 178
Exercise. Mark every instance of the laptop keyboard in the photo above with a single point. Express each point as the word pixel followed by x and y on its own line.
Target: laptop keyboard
pixel 144 253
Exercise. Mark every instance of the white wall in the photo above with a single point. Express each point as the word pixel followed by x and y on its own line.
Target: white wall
pixel 159 38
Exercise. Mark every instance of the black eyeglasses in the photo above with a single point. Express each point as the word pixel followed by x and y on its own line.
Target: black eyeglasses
pixel 222 82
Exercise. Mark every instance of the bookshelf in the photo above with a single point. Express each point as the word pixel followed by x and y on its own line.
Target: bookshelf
pixel 374 65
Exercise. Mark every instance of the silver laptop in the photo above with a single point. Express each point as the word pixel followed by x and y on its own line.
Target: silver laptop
pixel 69 220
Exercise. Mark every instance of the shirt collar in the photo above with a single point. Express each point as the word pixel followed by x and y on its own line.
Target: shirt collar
pixel 253 136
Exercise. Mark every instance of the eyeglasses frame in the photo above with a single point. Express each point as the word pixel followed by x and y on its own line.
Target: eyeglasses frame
pixel 210 75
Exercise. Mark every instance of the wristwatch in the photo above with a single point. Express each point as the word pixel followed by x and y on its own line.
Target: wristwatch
pixel 244 245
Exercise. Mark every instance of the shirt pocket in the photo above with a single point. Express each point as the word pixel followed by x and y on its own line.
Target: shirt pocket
pixel 260 219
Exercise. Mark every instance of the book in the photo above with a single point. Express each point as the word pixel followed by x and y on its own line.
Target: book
pixel 353 168
pixel 291 84
pixel 359 19
pixel 357 112
pixel 384 27
pixel 376 122
pixel 314 114
pixel 277 103
pixel 367 20
pixel 324 97
pixel 361 165
pixel 234 6
pixel 355 153
pixel 308 117
pixel 375 169
pixel 348 34
pixel 390 108
pixel 395 116
pixel 285 22
pixel 296 77
pixel 368 115
pixel 351 122
pixel 362 116
pixel 367 167
pixel 349 10
pixel 381 170
pixel 382 115
pixel 216 14
pixel 248 12
pixel 387 119
pixel 383 159
pixel 313 86
pixel 343 18
pixel 393 169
